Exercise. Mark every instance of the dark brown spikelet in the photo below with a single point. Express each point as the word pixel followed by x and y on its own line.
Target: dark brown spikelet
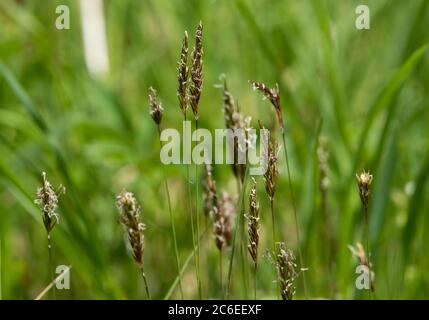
pixel 156 109
pixel 47 200
pixel 210 197
pixel 286 271
pixel 270 176
pixel 223 216
pixel 234 121
pixel 228 108
pixel 129 210
pixel 253 223
pixel 364 180
pixel 273 95
pixel 197 70
pixel 183 71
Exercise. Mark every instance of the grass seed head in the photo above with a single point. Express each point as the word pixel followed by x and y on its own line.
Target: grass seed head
pixel 197 70
pixel 47 200
pixel 183 71
pixel 156 109
pixel 253 223
pixel 223 216
pixel 129 210
pixel 273 95
pixel 234 120
pixel 364 180
pixel 271 155
pixel 286 271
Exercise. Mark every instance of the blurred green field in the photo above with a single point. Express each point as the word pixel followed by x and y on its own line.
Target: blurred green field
pixel 363 92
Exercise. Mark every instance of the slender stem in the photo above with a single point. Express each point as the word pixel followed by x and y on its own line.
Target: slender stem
pixel 243 263
pixel 254 278
pixel 52 283
pixel 173 225
pixel 366 236
pixel 146 286
pixel 198 221
pixel 242 241
pixel 294 210
pixel 185 265
pixel 273 221
pixel 188 182
pixel 234 239
pixel 51 267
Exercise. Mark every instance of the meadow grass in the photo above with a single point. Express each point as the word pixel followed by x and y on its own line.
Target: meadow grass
pixel 368 88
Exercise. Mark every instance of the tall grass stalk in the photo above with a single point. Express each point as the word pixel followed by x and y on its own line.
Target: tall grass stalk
pixel 234 240
pixel 298 238
pixel 195 90
pixel 364 181
pixel 197 204
pixel 156 112
pixel 191 209
pixel 173 224
pixel 273 95
pixel 241 240
pixel 234 120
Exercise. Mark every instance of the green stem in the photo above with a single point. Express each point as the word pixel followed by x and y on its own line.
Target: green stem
pixel 182 271
pixel 294 210
pixel 254 278
pixel 198 221
pixel 173 225
pixel 366 237
pixel 234 240
pixel 51 268
pixel 242 242
pixel 188 182
pixel 146 286
pixel 273 222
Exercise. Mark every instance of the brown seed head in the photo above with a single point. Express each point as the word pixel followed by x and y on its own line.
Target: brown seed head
pixel 234 120
pixel 156 109
pixel 286 271
pixel 273 95
pixel 197 70
pixel 47 200
pixel 129 210
pixel 271 154
pixel 253 223
pixel 364 180
pixel 183 70
pixel 223 216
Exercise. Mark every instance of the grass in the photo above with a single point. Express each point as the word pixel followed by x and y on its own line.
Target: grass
pixel 368 87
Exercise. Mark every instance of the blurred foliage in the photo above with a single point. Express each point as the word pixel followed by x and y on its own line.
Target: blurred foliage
pixel 364 92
